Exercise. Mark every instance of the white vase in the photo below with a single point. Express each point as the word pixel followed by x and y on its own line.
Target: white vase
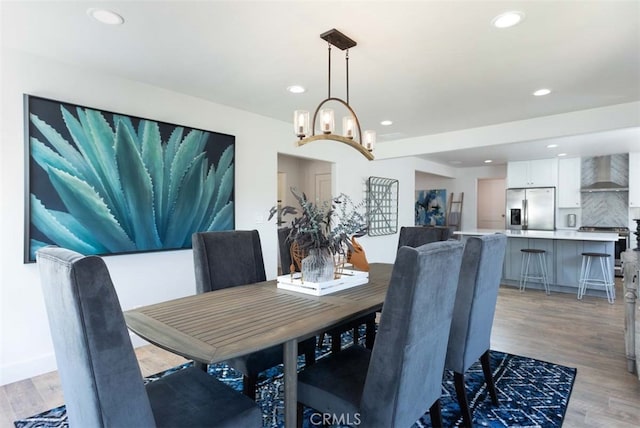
pixel 318 266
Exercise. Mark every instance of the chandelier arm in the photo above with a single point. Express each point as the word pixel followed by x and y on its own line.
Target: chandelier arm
pixel 359 147
pixel 353 113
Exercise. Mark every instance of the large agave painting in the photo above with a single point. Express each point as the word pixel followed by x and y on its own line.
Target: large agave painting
pixel 107 183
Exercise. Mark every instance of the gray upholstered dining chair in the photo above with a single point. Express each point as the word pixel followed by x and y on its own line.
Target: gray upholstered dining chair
pixel 475 305
pixel 335 333
pixel 100 376
pixel 227 259
pixel 415 236
pixel 394 384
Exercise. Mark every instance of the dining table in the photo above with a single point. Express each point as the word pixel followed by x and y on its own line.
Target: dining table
pixel 216 326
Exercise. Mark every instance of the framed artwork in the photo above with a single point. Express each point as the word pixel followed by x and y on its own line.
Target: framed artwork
pixel 382 206
pixel 99 182
pixel 430 207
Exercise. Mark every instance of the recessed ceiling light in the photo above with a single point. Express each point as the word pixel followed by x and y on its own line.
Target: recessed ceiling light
pixel 296 89
pixel 508 19
pixel 542 92
pixel 386 123
pixel 552 146
pixel 105 16
pixel 562 154
pixel 488 161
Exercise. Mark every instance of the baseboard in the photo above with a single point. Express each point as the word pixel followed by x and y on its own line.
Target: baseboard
pixel 27 369
pixel 44 364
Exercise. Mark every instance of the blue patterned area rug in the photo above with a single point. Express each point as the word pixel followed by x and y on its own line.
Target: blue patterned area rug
pixel 532 393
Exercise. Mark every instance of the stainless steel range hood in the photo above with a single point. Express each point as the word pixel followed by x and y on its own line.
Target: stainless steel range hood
pixel 603 182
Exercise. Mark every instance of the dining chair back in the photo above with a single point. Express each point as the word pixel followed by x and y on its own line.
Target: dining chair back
pixel 398 381
pixel 415 236
pixel 224 259
pixel 99 372
pixel 478 285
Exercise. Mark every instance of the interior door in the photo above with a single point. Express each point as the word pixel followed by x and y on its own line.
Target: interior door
pixel 323 188
pixel 491 203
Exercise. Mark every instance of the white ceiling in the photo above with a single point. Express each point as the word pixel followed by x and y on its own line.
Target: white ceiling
pixel 430 66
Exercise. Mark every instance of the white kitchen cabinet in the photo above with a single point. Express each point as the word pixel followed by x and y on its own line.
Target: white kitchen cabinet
pixel 634 179
pixel 569 183
pixel 535 173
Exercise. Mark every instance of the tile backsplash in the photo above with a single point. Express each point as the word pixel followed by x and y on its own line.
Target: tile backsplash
pixel 605 208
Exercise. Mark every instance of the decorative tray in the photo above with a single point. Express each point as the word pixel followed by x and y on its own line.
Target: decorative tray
pixel 350 278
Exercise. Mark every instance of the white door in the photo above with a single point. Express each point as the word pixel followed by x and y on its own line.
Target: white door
pixel 323 188
pixel 491 203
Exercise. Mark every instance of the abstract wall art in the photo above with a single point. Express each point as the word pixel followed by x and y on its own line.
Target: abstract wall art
pixel 430 208
pixel 105 183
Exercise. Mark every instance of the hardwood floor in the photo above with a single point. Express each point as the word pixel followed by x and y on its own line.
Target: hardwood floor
pixel 584 334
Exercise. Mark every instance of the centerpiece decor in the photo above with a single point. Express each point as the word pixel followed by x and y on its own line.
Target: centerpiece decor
pixel 323 236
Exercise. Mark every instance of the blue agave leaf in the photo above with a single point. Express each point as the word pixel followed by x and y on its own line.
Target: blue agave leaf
pixel 225 161
pixel 225 188
pixel 100 153
pixel 152 157
pixel 170 150
pixel 206 202
pixel 126 121
pixel 137 189
pixel 68 221
pixel 62 146
pixel 47 223
pixel 45 157
pixel 190 147
pixel 87 153
pixel 173 144
pixel 183 214
pixel 224 219
pixel 226 158
pixel 89 209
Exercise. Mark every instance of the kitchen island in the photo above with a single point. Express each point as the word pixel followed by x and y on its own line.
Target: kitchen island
pixel 564 250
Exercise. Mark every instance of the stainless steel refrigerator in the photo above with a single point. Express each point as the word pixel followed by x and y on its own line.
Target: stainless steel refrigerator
pixel 531 209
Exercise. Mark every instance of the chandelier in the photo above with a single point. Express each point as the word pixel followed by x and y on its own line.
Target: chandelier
pixel 351 132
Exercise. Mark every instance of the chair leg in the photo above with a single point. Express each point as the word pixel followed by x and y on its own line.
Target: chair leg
pixel 336 342
pixel 310 356
pixel 371 334
pixel 299 414
pixel 202 366
pixel 436 414
pixel 356 335
pixel 458 379
pixel 249 386
pixel 488 376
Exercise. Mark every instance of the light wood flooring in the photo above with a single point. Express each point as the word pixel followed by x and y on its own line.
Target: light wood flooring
pixel 557 328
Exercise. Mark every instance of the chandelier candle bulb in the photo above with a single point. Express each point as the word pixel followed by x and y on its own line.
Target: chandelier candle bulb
pixel 301 123
pixel 369 139
pixel 347 126
pixel 326 121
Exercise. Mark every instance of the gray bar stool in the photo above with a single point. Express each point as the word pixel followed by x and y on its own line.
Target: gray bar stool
pixel 540 275
pixel 606 280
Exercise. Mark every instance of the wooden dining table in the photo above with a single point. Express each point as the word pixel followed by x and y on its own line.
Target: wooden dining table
pixel 222 324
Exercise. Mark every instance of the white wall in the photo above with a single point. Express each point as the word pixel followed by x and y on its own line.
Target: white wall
pixel 465 180
pixel 140 279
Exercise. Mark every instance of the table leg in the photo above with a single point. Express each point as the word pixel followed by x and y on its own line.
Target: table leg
pixel 290 359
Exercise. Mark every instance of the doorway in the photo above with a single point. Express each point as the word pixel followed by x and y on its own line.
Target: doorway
pixel 491 203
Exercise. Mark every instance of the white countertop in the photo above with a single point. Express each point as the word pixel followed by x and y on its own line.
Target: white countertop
pixel 569 235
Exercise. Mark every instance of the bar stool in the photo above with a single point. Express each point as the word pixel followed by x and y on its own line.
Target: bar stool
pixel 540 275
pixel 606 281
